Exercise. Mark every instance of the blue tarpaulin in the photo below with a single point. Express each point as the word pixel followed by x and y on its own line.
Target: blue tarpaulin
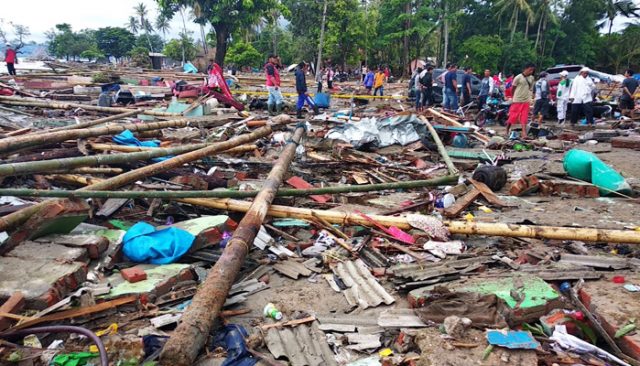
pixel 126 138
pixel 144 244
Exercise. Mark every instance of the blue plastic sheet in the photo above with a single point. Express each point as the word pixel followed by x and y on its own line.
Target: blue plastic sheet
pixel 189 68
pixel 512 339
pixel 144 244
pixel 127 138
pixel 231 338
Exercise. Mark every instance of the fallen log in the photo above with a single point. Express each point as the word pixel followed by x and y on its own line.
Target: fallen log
pixel 455 227
pixel 28 141
pixel 282 192
pixel 192 332
pixel 48 104
pixel 14 219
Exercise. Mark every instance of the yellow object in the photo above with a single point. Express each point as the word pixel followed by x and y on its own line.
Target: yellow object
pixel 485 209
pixel 469 217
pixel 339 96
pixel 93 348
pixel 387 351
pixel 378 79
pixel 111 329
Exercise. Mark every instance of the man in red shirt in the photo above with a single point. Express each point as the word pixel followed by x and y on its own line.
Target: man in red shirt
pixel 11 58
pixel 275 101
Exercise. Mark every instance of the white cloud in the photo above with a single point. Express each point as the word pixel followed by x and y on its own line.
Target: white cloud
pixel 42 15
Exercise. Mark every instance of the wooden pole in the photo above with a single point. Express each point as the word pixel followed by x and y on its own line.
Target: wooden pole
pixel 453 122
pixel 441 149
pixel 96 121
pixel 192 332
pixel 32 140
pixel 16 218
pixel 282 192
pixel 455 227
pixel 49 104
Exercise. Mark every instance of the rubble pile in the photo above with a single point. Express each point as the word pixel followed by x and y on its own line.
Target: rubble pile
pixel 144 225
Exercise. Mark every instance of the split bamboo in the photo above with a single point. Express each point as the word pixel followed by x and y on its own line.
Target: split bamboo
pixel 191 334
pixel 49 104
pixel 27 141
pixel 96 121
pixel 455 227
pixel 14 219
pixel 453 122
pixel 283 192
pixel 441 148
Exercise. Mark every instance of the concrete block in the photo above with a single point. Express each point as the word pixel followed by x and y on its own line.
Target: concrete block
pixel 55 252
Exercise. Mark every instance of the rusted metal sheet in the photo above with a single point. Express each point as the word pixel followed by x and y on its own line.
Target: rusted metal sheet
pixel 423 271
pixel 363 289
pixel 304 345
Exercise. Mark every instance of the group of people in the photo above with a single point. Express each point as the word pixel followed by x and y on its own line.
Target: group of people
pixel 375 81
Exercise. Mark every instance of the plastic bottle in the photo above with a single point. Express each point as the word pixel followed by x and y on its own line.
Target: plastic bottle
pixel 270 311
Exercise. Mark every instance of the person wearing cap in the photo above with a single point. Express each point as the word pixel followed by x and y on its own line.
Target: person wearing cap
pixel 11 58
pixel 275 101
pixel 522 88
pixel 301 89
pixel 541 104
pixel 562 96
pixel 581 96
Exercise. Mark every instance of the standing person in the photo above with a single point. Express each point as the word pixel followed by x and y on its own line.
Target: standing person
pixel 275 101
pixel 441 80
pixel 486 88
pixel 466 86
pixel 364 71
pixel 301 89
pixel 330 75
pixel 368 81
pixel 629 88
pixel 562 96
pixel 11 58
pixel 521 88
pixel 378 82
pixel 508 92
pixel 426 84
pixel 319 76
pixel 541 104
pixel 581 97
pixel 387 73
pixel 415 85
pixel 451 89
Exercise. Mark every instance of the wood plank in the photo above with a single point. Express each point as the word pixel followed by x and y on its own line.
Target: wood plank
pixel 488 194
pixel 13 305
pixel 462 203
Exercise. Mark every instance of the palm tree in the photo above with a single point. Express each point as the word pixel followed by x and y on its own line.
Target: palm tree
pixel 132 24
pixel 545 14
pixel 141 12
pixel 626 8
pixel 515 7
pixel 163 25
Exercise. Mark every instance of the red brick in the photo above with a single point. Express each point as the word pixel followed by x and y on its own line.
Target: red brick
pixel 133 274
pixel 379 271
pixel 300 183
pixel 524 186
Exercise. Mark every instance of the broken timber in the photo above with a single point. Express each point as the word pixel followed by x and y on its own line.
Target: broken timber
pixel 441 149
pixel 191 334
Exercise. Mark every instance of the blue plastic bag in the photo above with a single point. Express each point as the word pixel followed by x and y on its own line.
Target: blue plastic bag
pixel 322 100
pixel 127 138
pixel 144 244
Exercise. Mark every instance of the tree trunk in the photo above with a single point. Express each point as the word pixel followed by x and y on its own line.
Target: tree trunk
pixel 526 27
pixel 514 19
pixel 191 334
pixel 405 39
pixel 321 41
pixel 538 33
pixel 446 38
pixel 222 35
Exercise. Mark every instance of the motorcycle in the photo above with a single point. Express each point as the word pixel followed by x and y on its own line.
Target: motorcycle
pixel 495 110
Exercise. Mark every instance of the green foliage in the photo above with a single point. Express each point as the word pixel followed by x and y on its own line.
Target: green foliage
pixel 517 54
pixel 175 47
pixel 65 43
pixel 115 41
pixel 150 42
pixel 140 57
pixel 243 54
pixel 92 54
pixel 481 52
pixel 226 16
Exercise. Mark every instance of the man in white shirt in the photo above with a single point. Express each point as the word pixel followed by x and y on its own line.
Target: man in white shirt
pixel 581 97
pixel 562 96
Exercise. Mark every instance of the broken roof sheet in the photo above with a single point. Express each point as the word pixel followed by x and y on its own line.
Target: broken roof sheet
pixel 363 289
pixel 304 345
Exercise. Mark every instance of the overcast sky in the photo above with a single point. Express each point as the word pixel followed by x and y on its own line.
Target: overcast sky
pixel 42 15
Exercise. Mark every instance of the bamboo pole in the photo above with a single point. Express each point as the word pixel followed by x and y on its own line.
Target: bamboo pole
pixel 16 111
pixel 16 218
pixel 282 192
pixel 49 104
pixel 192 332
pixel 453 122
pixel 441 148
pixel 21 142
pixel 96 121
pixel 455 227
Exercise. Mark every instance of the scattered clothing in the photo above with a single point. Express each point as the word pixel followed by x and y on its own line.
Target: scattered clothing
pixel 143 243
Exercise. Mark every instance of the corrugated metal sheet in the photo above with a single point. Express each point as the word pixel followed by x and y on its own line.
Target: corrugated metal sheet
pixel 423 271
pixel 304 345
pixel 363 289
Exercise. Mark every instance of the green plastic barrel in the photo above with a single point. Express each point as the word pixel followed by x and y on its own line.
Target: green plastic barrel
pixel 588 167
